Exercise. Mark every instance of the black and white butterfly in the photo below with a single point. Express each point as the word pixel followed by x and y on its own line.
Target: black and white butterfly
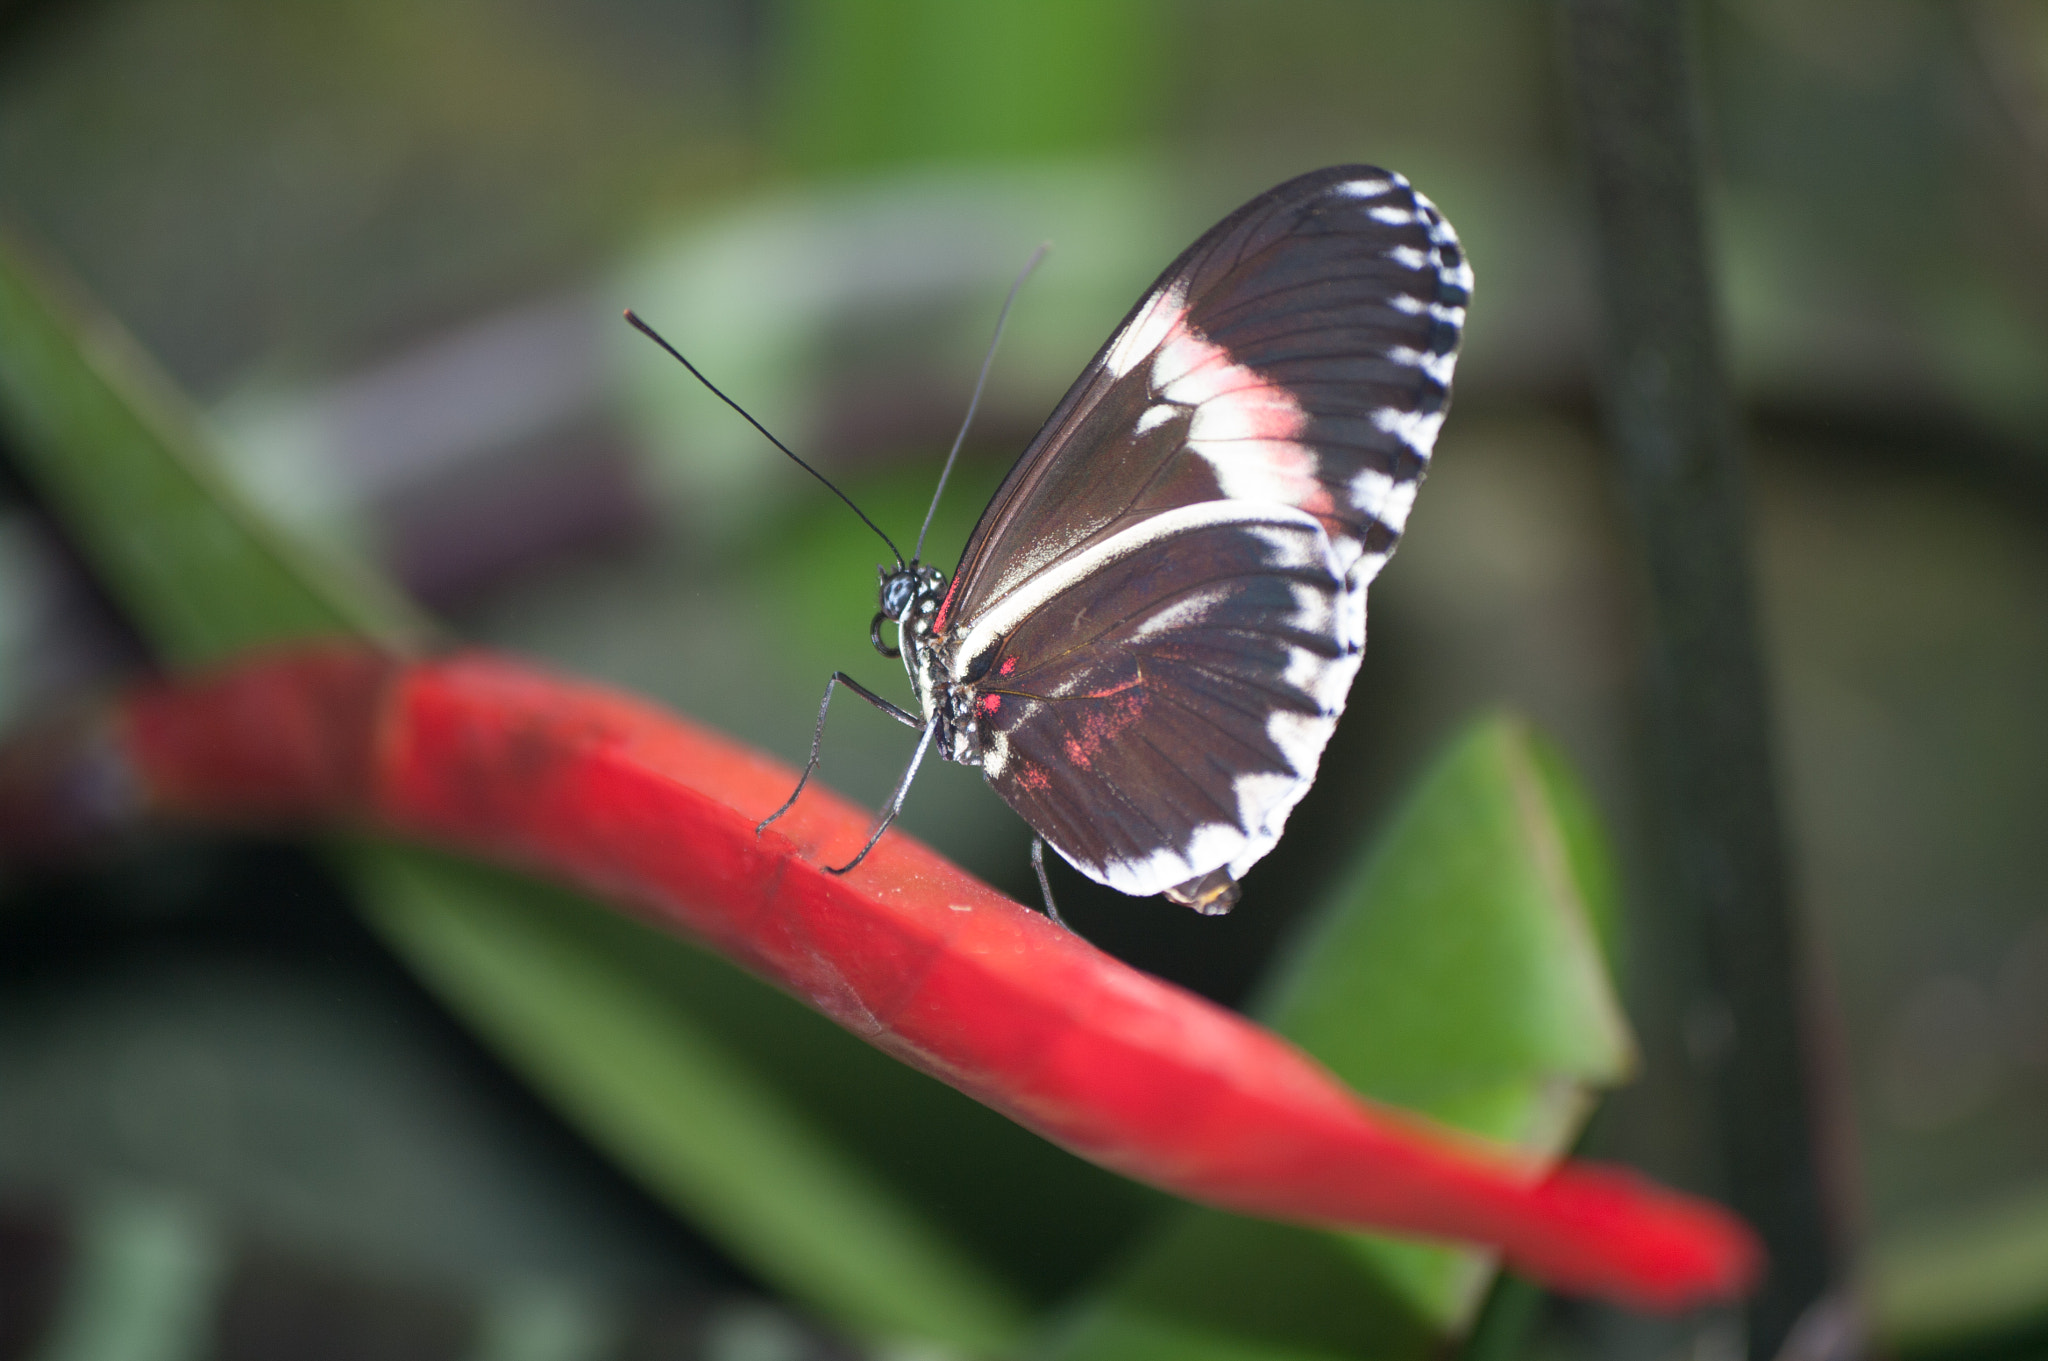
pixel 1153 629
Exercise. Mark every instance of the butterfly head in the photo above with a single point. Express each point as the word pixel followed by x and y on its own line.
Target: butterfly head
pixel 910 596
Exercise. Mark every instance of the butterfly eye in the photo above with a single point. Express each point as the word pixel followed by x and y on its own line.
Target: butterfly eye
pixel 898 590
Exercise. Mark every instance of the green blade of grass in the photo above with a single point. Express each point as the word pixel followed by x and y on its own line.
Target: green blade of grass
pixel 115 453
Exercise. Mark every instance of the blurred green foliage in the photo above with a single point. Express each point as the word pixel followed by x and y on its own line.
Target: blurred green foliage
pixel 272 195
pixel 865 84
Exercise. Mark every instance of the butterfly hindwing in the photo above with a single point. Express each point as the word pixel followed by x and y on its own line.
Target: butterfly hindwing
pixel 1159 713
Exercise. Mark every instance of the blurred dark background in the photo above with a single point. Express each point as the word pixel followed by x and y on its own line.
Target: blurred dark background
pixel 385 246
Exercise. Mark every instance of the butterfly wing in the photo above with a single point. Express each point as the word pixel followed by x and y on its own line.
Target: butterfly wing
pixel 1154 715
pixel 1300 353
pixel 1174 572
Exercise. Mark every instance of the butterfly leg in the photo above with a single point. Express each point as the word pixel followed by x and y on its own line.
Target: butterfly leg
pixel 1045 884
pixel 895 800
pixel 838 679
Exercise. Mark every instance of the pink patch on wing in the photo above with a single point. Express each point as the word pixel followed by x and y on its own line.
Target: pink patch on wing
pixel 1185 366
pixel 1102 723
pixel 1246 427
pixel 990 703
pixel 1009 665
pixel 1261 412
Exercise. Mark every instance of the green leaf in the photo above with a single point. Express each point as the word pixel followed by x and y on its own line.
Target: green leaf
pixel 115 451
pixel 1458 972
pixel 681 1105
pixel 1586 847
pixel 1458 964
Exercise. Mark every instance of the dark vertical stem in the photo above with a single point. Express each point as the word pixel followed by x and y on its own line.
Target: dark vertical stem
pixel 1674 432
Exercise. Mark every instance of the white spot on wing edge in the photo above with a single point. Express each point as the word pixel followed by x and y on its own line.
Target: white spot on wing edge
pixel 1156 416
pixel 1442 234
pixel 1146 330
pixel 1437 366
pixel 1362 573
pixel 1212 844
pixel 1416 429
pixel 1265 804
pixel 1417 307
pixel 1380 496
pixel 1364 188
pixel 1351 604
pixel 1396 504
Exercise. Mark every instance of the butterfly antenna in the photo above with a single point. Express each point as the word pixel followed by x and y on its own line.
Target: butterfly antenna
pixel 644 329
pixel 975 401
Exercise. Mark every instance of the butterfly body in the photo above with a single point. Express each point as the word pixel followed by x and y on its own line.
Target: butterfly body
pixel 1155 625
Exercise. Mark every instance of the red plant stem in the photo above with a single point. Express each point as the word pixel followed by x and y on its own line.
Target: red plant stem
pixel 643 809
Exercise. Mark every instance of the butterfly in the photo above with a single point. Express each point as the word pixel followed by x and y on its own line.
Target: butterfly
pixel 1154 626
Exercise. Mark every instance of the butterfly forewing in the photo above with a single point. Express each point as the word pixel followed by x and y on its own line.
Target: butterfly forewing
pixel 1161 612
pixel 1300 352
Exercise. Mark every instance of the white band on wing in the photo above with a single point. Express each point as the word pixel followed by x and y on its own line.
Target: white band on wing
pixel 1007 611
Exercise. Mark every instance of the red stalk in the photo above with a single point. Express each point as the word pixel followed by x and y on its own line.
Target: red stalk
pixel 639 807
